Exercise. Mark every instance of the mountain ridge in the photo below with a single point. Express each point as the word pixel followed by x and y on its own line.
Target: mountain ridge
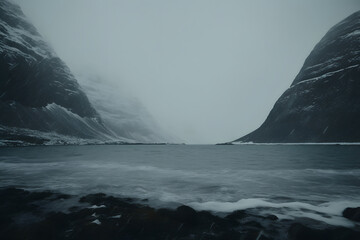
pixel 38 92
pixel 323 102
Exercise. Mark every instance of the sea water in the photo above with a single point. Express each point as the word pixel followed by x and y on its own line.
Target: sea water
pixel 290 181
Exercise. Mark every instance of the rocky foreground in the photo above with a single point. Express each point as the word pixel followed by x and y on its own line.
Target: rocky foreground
pixel 48 215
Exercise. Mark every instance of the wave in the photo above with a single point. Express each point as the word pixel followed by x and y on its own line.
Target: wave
pixel 329 212
pixel 353 171
pixel 24 164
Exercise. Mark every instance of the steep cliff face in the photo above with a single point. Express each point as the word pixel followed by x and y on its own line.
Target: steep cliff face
pixel 38 93
pixel 323 102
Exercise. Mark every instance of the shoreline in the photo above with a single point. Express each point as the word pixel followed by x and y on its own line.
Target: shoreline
pixel 291 143
pixel 6 145
pixel 50 215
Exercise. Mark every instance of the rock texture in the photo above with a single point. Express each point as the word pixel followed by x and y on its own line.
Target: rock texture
pixel 352 214
pixel 41 102
pixel 48 215
pixel 38 93
pixel 323 102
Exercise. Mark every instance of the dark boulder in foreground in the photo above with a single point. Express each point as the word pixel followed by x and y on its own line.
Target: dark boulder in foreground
pixel 323 102
pixel 47 215
pixel 352 214
pixel 298 231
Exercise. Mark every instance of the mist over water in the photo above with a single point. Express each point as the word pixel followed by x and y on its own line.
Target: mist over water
pixel 318 182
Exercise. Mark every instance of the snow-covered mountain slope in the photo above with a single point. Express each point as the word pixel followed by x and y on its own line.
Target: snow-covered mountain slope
pixel 38 93
pixel 323 102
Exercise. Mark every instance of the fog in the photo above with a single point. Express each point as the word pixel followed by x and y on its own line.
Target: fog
pixel 207 71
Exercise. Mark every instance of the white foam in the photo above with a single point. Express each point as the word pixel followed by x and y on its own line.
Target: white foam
pixel 354 171
pixel 330 213
pixel 96 221
pixel 96 206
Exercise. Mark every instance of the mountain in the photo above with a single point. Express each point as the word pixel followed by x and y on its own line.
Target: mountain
pixel 119 110
pixel 323 102
pixel 41 102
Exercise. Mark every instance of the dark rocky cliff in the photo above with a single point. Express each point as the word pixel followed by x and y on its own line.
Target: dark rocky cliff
pixel 323 102
pixel 38 93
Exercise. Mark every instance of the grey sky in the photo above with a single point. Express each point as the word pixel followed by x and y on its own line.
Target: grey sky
pixel 208 71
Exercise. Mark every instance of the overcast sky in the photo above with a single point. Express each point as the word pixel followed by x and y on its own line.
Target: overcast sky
pixel 207 71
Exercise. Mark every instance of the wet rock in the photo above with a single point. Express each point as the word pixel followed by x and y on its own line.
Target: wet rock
pixel 298 231
pixel 272 217
pixel 97 198
pixel 254 235
pixel 238 215
pixel 186 214
pixel 253 224
pixel 94 219
pixel 352 214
